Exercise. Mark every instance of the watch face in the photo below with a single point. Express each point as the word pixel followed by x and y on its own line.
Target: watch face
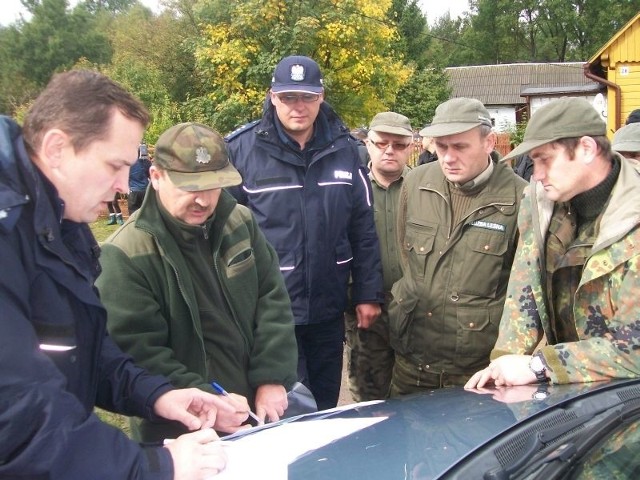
pixel 536 364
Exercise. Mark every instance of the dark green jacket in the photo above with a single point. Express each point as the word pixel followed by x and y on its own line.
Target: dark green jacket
pixel 446 308
pixel 153 314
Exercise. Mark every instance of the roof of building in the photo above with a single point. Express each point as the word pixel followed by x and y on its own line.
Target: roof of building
pixel 627 34
pixel 507 83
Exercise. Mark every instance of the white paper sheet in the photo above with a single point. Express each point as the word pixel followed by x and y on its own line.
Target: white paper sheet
pixel 267 454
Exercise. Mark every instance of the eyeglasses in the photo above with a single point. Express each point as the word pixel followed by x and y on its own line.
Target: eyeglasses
pixel 394 145
pixel 291 98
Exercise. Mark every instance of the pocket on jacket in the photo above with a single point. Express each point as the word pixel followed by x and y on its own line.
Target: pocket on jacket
pixel 239 260
pixel 401 313
pixel 418 244
pixel 483 264
pixel 344 256
pixel 476 335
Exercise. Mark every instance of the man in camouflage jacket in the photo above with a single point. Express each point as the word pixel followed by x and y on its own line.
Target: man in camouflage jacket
pixel 572 291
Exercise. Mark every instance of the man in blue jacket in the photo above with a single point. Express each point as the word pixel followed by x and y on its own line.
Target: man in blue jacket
pixel 56 361
pixel 138 179
pixel 303 179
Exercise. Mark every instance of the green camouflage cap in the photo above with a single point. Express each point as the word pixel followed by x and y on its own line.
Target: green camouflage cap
pixel 627 138
pixel 457 115
pixel 567 117
pixel 391 122
pixel 195 158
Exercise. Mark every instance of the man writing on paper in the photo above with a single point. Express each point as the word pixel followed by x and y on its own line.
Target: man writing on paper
pixel 201 296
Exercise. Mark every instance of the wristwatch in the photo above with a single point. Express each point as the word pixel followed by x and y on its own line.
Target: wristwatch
pixel 538 367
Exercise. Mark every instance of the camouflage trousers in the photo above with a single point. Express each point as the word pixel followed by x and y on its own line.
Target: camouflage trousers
pixel 370 358
pixel 409 377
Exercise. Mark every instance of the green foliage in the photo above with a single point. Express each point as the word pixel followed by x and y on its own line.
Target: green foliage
pixel 420 96
pixel 516 133
pixel 352 41
pixel 212 60
pixel 55 39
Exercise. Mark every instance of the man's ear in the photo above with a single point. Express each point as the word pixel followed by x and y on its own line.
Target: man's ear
pixel 52 147
pixel 590 149
pixel 491 141
pixel 154 176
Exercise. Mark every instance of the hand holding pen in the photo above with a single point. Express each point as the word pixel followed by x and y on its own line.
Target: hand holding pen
pixel 221 391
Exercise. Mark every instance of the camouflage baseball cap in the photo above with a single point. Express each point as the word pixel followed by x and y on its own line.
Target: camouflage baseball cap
pixel 457 115
pixel 627 138
pixel 391 122
pixel 195 158
pixel 567 117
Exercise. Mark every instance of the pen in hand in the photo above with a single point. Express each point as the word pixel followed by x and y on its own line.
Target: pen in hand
pixel 221 391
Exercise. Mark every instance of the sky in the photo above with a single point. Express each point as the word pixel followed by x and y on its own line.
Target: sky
pixel 434 9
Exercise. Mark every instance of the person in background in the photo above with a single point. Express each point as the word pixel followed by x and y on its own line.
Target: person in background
pixel 428 154
pixel 200 295
pixel 56 360
pixel 115 214
pixel 304 181
pixel 634 117
pixel 370 356
pixel 626 141
pixel 571 313
pixel 458 234
pixel 138 179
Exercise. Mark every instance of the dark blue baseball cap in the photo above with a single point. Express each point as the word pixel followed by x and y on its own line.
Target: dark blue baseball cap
pixel 297 74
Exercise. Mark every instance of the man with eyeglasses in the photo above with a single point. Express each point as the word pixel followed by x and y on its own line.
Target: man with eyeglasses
pixel 370 357
pixel 303 180
pixel 458 233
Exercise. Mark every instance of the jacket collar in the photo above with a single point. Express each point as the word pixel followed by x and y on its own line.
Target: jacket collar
pixel 24 190
pixel 621 214
pixel 333 128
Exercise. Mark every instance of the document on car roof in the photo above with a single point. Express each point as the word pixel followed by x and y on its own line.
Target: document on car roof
pixel 268 453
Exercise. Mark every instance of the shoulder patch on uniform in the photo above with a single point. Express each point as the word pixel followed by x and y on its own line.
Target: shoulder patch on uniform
pixel 240 130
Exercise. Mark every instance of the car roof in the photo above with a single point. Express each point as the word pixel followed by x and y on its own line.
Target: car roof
pixel 416 436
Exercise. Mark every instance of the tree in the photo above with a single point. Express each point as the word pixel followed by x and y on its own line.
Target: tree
pixel 446 48
pixel 352 41
pixel 55 39
pixel 412 29
pixel 420 96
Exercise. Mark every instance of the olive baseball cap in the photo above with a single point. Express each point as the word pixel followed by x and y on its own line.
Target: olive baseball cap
pixel 627 138
pixel 567 117
pixel 297 74
pixel 455 116
pixel 391 122
pixel 195 158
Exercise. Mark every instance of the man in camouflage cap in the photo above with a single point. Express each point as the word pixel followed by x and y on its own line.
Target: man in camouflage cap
pixel 192 288
pixel 575 277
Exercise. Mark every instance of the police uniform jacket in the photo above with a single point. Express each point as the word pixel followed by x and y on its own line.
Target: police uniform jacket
pixel 56 360
pixel 316 211
pixel 446 308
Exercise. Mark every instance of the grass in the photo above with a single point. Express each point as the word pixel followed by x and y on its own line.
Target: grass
pixel 102 231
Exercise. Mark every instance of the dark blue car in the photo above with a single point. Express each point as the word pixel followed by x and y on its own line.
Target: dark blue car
pixel 582 431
